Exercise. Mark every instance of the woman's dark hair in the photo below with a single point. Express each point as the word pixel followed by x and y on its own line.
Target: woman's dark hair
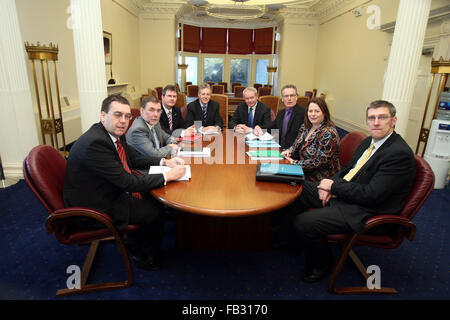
pixel 323 107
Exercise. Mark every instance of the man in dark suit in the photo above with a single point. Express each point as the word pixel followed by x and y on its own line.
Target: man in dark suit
pixel 288 120
pixel 250 113
pixel 171 119
pixel 99 176
pixel 204 110
pixel 376 181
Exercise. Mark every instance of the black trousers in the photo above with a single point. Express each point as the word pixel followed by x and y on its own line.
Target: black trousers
pixel 309 228
pixel 147 213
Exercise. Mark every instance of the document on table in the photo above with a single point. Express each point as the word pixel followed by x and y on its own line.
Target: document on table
pixel 164 169
pixel 265 137
pixel 200 130
pixel 194 152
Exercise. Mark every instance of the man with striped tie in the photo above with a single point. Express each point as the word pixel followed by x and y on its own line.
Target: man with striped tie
pixel 171 119
pixel 376 181
pixel 99 175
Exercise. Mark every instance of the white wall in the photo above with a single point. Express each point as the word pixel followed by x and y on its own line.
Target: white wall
pixel 297 55
pixel 351 62
pixel 158 49
pixel 124 27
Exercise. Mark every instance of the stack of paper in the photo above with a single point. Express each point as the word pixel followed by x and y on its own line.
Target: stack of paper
pixel 164 169
pixel 265 155
pixel 265 137
pixel 194 152
pixel 190 138
pixel 216 131
pixel 262 144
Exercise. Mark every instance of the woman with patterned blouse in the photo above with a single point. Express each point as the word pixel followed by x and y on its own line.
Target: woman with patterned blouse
pixel 316 147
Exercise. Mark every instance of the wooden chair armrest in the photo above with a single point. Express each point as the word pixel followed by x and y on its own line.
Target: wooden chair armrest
pixel 78 212
pixel 392 219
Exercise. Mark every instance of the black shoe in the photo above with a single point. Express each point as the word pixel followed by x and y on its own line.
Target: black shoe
pixel 317 274
pixel 146 262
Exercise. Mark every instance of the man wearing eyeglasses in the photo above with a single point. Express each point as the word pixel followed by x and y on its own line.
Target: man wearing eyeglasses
pixel 288 120
pixel 146 134
pixel 99 176
pixel 377 180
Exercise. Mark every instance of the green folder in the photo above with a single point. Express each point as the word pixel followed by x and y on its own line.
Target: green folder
pixel 266 154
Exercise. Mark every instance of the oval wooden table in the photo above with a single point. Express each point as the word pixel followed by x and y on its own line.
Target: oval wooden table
pixel 222 206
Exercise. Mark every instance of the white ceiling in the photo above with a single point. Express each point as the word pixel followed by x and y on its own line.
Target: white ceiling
pixel 194 11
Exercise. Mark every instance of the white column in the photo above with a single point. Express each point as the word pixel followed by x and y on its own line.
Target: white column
pixel 90 59
pixel 18 132
pixel 406 49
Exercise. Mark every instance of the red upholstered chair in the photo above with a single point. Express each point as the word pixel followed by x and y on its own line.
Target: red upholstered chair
pixel 218 89
pixel 403 227
pixel 192 90
pixel 257 86
pixel 348 145
pixel 135 113
pixel 264 91
pixel 235 84
pixel 309 94
pixel 225 86
pixel 239 91
pixel 184 112
pixel 159 91
pixel 44 171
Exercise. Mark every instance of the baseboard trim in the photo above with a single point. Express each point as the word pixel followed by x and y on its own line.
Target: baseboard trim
pixel 13 170
pixel 349 125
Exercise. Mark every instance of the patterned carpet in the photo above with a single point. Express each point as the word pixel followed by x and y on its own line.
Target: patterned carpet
pixel 33 264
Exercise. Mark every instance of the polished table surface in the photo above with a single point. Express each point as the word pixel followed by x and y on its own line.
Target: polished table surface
pixel 222 206
pixel 225 184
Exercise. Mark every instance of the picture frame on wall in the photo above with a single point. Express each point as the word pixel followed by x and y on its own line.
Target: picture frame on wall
pixel 107 44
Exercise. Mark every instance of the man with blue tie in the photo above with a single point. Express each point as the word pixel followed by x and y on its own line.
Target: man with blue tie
pixel 204 111
pixel 146 134
pixel 250 113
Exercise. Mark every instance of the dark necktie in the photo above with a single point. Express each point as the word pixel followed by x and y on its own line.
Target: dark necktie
pixel 287 117
pixel 204 112
pixel 250 118
pixel 123 159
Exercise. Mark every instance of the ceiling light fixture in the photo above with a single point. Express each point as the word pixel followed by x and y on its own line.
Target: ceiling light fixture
pixel 238 10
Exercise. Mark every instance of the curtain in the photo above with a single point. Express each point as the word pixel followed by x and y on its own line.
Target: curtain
pixel 263 41
pixel 191 38
pixel 214 40
pixel 240 41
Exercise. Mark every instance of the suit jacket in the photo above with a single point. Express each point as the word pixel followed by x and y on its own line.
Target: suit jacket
pixel 95 177
pixel 381 186
pixel 140 138
pixel 195 113
pixel 177 120
pixel 261 118
pixel 296 120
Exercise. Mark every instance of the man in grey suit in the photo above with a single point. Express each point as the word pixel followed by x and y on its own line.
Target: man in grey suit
pixel 146 134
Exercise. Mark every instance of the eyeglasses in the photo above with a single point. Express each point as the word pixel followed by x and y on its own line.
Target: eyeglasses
pixel 119 115
pixel 290 96
pixel 382 117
